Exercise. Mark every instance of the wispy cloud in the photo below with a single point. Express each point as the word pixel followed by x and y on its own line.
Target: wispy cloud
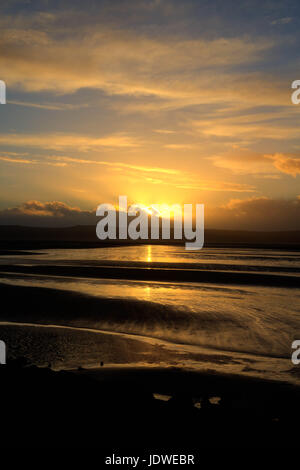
pixel 69 141
pixel 179 146
pixel 248 126
pixel 172 177
pixel 217 186
pixel 285 20
pixel 118 165
pixel 285 163
pixel 245 162
pixel 126 62
pixel 17 160
pixel 169 176
pixel 258 164
pixel 164 131
pixel 48 106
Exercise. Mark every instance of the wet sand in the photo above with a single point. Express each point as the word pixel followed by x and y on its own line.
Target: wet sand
pixel 160 275
pixel 72 329
pixel 144 395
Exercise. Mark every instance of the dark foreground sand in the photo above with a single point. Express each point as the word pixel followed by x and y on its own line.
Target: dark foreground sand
pixel 115 408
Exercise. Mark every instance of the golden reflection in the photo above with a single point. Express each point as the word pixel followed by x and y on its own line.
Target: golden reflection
pixel 147 293
pixel 149 253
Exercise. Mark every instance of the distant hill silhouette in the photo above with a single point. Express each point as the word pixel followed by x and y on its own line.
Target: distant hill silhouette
pixel 80 236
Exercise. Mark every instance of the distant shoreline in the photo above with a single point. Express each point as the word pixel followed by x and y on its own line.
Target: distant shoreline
pixel 84 236
pixel 15 247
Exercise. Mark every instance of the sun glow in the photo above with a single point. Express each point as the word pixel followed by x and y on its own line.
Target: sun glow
pixel 149 210
pixel 162 209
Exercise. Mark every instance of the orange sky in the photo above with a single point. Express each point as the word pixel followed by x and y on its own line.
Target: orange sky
pixel 163 101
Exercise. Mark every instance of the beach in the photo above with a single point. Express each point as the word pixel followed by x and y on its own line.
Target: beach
pixel 144 334
pixel 144 409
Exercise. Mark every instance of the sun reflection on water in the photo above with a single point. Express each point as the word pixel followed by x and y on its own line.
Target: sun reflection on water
pixel 149 254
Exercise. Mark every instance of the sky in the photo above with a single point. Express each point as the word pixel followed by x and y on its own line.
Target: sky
pixel 165 101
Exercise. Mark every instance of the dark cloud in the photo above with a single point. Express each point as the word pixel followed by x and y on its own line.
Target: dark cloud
pixel 257 213
pixel 46 214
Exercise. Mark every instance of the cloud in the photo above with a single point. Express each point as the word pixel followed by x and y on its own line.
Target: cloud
pixel 164 131
pixel 54 209
pixel 131 62
pixel 49 106
pixel 285 20
pixel 61 141
pixel 242 124
pixel 243 161
pixel 17 160
pixel 178 146
pixel 216 186
pixel 172 177
pixel 257 213
pixel 43 214
pixel 118 165
pixel 285 163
